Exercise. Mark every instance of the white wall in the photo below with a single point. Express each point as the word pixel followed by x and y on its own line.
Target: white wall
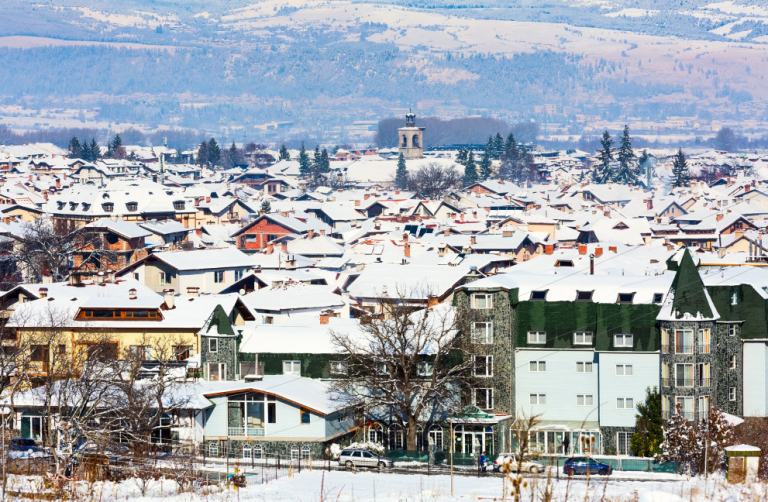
pixel 645 373
pixel 755 378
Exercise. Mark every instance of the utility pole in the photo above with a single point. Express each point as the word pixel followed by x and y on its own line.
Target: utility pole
pixel 453 441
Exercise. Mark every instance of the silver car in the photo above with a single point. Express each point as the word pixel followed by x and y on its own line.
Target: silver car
pixel 527 465
pixel 354 458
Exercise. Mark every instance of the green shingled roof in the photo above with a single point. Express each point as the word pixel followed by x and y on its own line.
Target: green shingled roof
pixel 219 323
pixel 690 295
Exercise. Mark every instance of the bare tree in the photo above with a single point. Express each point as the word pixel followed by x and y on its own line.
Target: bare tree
pixel 405 365
pixel 435 180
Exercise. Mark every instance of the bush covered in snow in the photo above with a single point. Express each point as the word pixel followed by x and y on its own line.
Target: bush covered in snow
pixel 375 448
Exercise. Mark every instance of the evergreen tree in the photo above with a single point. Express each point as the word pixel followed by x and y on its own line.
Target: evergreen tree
pixel 86 152
pixel 95 150
pixel 627 172
pixel 470 170
pixel 511 167
pixel 325 161
pixel 284 154
pixel 498 146
pixel 75 148
pixel 646 167
pixel 317 163
pixel 649 426
pixel 681 178
pixel 462 156
pixel 115 148
pixel 234 156
pixel 679 441
pixel 304 165
pixel 202 153
pixel 603 172
pixel 486 164
pixel 266 207
pixel 214 153
pixel 718 434
pixel 401 175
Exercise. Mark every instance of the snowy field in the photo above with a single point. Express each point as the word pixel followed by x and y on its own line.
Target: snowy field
pixel 341 486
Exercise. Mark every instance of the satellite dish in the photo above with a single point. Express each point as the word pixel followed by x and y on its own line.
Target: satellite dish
pixel 242 292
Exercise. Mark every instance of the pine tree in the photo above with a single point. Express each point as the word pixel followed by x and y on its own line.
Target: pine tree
pixel 234 156
pixel 627 172
pixel 75 148
pixel 486 163
pixel 603 172
pixel 470 170
pixel 511 168
pixel 681 178
pixel 325 162
pixel 95 151
pixel 679 441
pixel 266 207
pixel 649 426
pixel 401 175
pixel 202 153
pixel 498 146
pixel 462 156
pixel 214 153
pixel 304 165
pixel 317 163
pixel 284 154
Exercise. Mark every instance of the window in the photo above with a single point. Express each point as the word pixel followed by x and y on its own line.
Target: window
pixel 538 295
pixel 247 368
pixel 734 298
pixel 702 374
pixel 684 375
pixel 132 206
pixel 626 297
pixel 585 400
pixel 538 398
pixel 583 367
pixel 108 207
pixel 39 353
pixel 732 364
pixel 165 278
pixel 339 367
pixel 213 449
pixel 213 345
pixel 305 416
pixel 271 412
pixel 294 452
pixel 305 452
pixel 731 393
pixel 291 367
pixel 732 330
pixel 538 366
pixel 622 443
pixel 182 352
pixel 382 369
pixel 625 403
pixel 484 399
pixel 624 370
pixel 623 340
pixel 664 341
pixel 703 406
pixel 482 301
pixel 246 452
pixel 483 366
pixel 584 296
pixel 482 332
pixel 217 372
pixel 684 341
pixel 140 352
pixel 376 434
pixel 239 274
pixel 425 368
pixel 582 338
pixel 178 205
pixel 257 452
pixel 657 298
pixel 703 341
pixel 538 337
pixel 218 276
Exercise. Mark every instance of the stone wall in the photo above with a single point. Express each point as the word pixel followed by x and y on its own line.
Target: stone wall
pixel 608 438
pixel 728 346
pixel 227 353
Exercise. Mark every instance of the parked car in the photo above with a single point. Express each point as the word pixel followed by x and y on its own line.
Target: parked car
pixel 584 465
pixel 350 458
pixel 526 466
pixel 23 444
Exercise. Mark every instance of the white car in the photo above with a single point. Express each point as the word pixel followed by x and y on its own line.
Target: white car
pixel 526 466
pixel 353 458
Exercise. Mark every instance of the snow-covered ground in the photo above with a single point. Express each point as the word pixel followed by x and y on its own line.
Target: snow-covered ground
pixel 341 486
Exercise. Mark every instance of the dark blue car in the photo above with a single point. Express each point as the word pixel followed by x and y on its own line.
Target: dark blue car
pixel 584 465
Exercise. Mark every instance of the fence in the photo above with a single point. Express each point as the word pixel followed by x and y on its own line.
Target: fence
pixel 626 464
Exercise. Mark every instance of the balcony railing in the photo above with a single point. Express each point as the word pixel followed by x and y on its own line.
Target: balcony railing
pixel 685 382
pixel 683 349
pixel 703 348
pixel 243 432
pixel 702 382
pixel 688 415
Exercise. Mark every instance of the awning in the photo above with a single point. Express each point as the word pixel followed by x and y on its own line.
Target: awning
pixel 567 425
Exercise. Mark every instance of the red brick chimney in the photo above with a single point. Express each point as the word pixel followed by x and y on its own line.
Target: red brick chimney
pixel 598 252
pixel 407 250
pixel 582 249
pixel 649 204
pixel 720 216
pixel 549 249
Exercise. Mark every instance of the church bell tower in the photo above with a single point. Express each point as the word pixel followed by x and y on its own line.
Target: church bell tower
pixel 411 138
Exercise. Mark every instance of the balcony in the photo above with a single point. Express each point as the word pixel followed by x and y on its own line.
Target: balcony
pixel 243 432
pixel 684 382
pixel 704 349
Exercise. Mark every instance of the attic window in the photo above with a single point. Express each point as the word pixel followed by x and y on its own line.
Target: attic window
pixel 620 226
pixel 60 206
pixel 564 263
pixel 105 195
pixel 86 207
pixel 658 297
pixel 584 296
pixel 73 206
pixel 132 206
pixel 626 297
pixel 108 207
pixel 179 204
pixel 539 295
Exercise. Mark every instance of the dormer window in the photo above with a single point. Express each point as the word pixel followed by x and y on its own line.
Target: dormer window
pixel 584 296
pixel 86 207
pixel 658 297
pixel 626 297
pixel 108 207
pixel 59 206
pixel 563 263
pixel 620 226
pixel 178 205
pixel 539 295
pixel 73 206
pixel 132 206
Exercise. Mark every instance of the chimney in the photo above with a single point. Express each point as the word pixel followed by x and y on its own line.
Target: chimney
pixel 377 225
pixel 207 200
pixel 366 196
pixel 290 262
pixel 720 216
pixel 598 252
pixel 43 292
pixel 507 233
pixel 591 264
pixel 473 240
pixel 310 234
pixel 270 249
pixel 100 278
pixel 615 249
pixel 284 247
pixel 431 301
pixel 168 296
pixel 549 248
pixel 65 176
pixel 47 277
pixel 407 250
pixel 441 250
pixel 582 249
pixel 324 317
pixel 474 214
pixel 111 276
pixel 747 188
pixel 132 294
pixel 607 213
pixel 462 216
pixel 58 184
pixel 75 279
pixel 405 237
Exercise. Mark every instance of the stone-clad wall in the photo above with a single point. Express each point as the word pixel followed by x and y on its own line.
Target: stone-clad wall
pixel 268 448
pixel 227 353
pixel 728 346
pixel 609 439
